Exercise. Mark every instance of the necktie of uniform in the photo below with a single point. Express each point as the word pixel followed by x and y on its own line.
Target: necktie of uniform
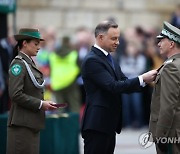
pixel 109 57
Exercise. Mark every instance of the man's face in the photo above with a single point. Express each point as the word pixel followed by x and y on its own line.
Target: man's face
pixel 164 46
pixel 110 40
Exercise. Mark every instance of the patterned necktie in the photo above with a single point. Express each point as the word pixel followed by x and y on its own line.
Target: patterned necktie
pixel 109 57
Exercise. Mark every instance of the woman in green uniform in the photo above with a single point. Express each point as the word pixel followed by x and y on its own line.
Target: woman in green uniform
pixel 26 84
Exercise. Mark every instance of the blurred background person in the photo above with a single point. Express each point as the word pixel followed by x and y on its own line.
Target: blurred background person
pixel 83 39
pixel 132 63
pixel 42 58
pixel 64 70
pixel 2 86
pixel 175 19
pixel 6 54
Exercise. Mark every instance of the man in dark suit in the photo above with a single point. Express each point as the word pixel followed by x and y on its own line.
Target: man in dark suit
pixel 104 82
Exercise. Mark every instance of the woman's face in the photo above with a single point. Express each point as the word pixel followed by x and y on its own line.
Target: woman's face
pixel 31 48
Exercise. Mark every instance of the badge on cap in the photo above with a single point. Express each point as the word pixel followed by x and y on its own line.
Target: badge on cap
pixel 16 69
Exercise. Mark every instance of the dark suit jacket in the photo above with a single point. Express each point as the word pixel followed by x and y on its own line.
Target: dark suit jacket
pixel 26 98
pixel 103 87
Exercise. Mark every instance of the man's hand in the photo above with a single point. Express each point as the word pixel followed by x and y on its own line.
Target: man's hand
pixel 149 76
pixel 48 105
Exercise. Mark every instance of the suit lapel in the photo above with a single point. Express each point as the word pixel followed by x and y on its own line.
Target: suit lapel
pixel 116 65
pixel 106 61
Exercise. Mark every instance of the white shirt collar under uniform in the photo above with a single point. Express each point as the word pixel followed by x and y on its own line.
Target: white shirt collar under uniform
pixel 104 51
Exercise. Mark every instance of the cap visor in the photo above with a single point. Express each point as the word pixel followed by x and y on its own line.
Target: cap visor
pixel 160 37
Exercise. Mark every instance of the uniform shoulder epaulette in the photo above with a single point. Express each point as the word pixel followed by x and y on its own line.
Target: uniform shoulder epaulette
pixel 18 57
pixel 169 61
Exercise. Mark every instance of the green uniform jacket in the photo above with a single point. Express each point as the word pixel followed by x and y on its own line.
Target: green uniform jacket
pixel 165 105
pixel 25 97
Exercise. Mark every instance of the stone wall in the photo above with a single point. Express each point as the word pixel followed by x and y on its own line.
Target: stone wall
pixel 67 15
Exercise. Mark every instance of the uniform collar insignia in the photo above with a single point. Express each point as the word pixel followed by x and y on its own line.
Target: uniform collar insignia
pixel 168 61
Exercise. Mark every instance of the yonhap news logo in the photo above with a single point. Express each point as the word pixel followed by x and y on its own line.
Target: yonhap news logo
pixel 145 140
